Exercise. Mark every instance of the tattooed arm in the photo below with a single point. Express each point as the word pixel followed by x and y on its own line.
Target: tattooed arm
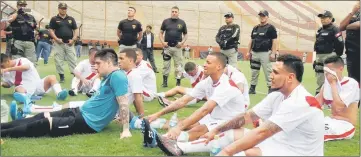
pixel 253 138
pixel 124 115
pixel 237 122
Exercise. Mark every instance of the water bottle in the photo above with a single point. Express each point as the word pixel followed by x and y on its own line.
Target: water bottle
pixel 173 121
pixel 216 148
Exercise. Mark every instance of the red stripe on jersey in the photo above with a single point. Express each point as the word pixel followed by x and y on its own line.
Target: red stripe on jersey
pixel 344 82
pixel 146 94
pixel 18 75
pixel 327 101
pixel 326 137
pixel 91 76
pixel 149 66
pixel 313 102
pixel 198 79
pixel 129 72
pixel 232 83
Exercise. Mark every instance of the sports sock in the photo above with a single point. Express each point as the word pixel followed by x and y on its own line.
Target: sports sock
pixel 74 84
pixel 194 101
pixel 158 123
pixel 57 88
pixel 162 94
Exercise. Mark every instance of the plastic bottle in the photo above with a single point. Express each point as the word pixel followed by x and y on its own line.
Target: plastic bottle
pixel 216 148
pixel 173 121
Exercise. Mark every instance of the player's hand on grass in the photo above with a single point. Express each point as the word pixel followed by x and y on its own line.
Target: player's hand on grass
pixel 174 133
pixel 125 134
pixel 152 117
pixel 209 136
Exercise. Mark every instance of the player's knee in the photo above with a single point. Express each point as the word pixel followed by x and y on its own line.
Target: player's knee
pixel 51 78
pixel 66 106
pixel 253 152
pixel 20 89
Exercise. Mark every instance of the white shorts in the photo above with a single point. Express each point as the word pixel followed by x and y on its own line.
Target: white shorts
pixel 338 129
pixel 210 122
pixel 36 88
pixel 189 91
pixel 147 96
pixel 270 147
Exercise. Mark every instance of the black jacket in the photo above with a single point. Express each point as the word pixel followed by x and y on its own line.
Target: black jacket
pixel 143 43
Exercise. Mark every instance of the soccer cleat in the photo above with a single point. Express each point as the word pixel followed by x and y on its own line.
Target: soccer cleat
pixel 168 146
pixel 13 107
pixel 162 101
pixel 62 95
pixel 132 123
pixel 90 94
pixel 20 114
pixel 72 93
pixel 149 134
pixel 25 99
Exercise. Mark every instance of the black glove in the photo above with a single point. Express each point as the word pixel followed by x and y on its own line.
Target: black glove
pixel 21 11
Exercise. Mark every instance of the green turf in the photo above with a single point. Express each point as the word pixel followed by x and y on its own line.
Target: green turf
pixel 107 142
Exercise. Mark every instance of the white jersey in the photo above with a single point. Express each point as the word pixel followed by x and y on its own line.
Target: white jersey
pixel 148 76
pixel 238 77
pixel 299 116
pixel 350 92
pixel 225 93
pixel 86 70
pixel 26 78
pixel 194 80
pixel 135 84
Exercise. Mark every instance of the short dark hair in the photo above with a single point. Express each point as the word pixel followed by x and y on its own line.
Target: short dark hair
pixel 175 7
pixel 135 10
pixel 107 55
pixel 149 26
pixel 130 53
pixel 220 57
pixel 335 60
pixel 293 64
pixel 189 66
pixel 92 50
pixel 4 58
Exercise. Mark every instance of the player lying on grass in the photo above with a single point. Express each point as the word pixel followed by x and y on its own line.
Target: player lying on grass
pixel 86 79
pixel 224 102
pixel 294 122
pixel 341 93
pixel 22 74
pixel 148 76
pixel 95 114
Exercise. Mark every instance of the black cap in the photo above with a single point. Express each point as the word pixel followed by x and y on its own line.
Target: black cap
pixel 62 5
pixel 21 2
pixel 263 12
pixel 325 13
pixel 229 14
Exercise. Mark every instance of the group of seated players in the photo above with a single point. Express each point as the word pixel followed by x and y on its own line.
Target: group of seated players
pixel 293 122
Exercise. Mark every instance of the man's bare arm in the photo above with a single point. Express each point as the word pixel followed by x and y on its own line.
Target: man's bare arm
pixel 5 85
pixel 237 122
pixel 274 45
pixel 353 26
pixel 185 37
pixel 13 17
pixel 176 105
pixel 19 68
pixel 138 103
pixel 253 138
pixel 119 33
pixel 197 115
pixel 161 38
pixel 140 36
pixel 123 111
pixel 319 96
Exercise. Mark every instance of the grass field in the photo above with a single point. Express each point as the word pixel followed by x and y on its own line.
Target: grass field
pixel 107 142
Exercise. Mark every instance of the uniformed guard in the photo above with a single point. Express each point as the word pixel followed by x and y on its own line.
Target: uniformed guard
pixel 64 31
pixel 351 23
pixel 329 42
pixel 23 26
pixel 227 39
pixel 129 31
pixel 172 42
pixel 262 50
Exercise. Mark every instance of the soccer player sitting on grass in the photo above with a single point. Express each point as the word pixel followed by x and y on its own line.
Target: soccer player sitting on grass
pixel 22 74
pixel 224 103
pixel 342 94
pixel 293 127
pixel 86 79
pixel 95 114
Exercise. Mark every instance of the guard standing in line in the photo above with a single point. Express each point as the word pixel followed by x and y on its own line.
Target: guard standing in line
pixel 227 38
pixel 351 23
pixel 23 26
pixel 64 31
pixel 147 47
pixel 129 31
pixel 172 43
pixel 329 42
pixel 262 50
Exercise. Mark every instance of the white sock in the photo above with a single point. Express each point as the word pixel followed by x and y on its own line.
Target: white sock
pixel 57 88
pixel 225 139
pixel 74 84
pixel 96 85
pixel 162 94
pixel 138 123
pixel 183 137
pixel 158 123
pixel 194 101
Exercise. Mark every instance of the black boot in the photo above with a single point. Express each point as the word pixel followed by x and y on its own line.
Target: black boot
pixel 252 90
pixel 317 93
pixel 165 81
pixel 62 79
pixel 178 82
